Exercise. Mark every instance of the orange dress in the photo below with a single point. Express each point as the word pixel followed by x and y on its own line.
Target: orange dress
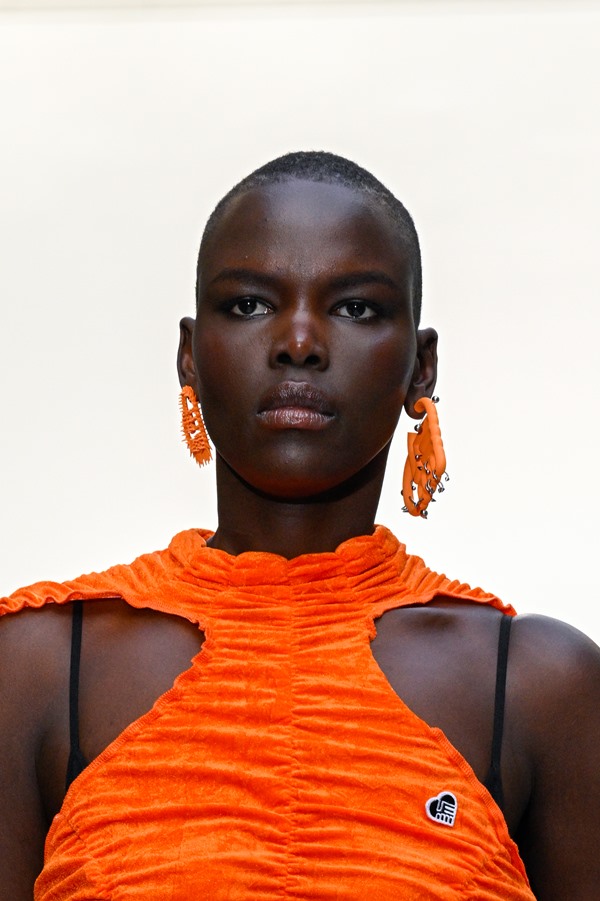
pixel 281 765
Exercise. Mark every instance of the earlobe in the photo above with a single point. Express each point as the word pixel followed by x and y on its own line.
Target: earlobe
pixel 186 368
pixel 425 372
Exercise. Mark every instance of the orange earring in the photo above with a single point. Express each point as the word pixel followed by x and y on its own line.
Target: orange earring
pixel 426 461
pixel 194 430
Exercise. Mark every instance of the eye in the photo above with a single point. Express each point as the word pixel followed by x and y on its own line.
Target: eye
pixel 355 309
pixel 249 307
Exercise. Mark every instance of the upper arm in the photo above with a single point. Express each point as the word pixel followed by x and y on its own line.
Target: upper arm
pixel 23 695
pixel 559 687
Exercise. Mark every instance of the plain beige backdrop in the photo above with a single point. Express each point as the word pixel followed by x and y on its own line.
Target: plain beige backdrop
pixel 122 127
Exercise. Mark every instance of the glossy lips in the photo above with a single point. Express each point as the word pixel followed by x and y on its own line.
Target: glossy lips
pixel 295 405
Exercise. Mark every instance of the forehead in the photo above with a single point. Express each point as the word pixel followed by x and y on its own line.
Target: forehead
pixel 310 225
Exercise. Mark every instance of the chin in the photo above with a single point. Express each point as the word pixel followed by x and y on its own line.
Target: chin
pixel 300 490
pixel 307 486
pixel 298 473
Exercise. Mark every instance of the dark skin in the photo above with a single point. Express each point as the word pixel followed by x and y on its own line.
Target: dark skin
pixel 325 301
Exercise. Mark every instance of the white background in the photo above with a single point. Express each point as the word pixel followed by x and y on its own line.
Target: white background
pixel 120 130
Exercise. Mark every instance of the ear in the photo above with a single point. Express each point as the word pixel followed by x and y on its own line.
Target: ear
pixel 186 368
pixel 425 372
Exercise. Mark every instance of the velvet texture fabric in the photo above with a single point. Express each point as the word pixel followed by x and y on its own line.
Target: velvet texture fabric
pixel 281 765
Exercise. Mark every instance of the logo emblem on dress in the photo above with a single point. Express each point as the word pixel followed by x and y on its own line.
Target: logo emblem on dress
pixel 442 809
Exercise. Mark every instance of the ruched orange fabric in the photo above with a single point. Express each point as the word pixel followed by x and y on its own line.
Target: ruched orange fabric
pixel 281 765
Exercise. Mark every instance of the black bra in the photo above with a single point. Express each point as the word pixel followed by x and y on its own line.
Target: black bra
pixel 493 781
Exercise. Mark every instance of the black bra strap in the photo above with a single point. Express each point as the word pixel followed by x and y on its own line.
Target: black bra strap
pixel 77 762
pixel 493 781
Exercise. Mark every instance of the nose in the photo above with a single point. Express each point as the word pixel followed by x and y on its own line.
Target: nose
pixel 300 341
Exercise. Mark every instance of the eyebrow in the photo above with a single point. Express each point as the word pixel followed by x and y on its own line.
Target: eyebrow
pixel 370 277
pixel 239 274
pixel 341 282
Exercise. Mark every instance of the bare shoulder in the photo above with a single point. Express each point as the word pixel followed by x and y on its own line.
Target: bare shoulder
pixel 34 656
pixel 34 630
pixel 32 643
pixel 34 671
pixel 553 664
pixel 554 672
pixel 546 632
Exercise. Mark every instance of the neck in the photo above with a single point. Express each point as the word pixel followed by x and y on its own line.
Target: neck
pixel 251 521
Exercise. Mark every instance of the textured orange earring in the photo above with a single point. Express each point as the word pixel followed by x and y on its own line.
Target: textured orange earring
pixel 194 430
pixel 426 461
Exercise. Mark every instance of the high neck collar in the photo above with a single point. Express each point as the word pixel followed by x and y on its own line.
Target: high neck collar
pixel 356 557
pixel 375 566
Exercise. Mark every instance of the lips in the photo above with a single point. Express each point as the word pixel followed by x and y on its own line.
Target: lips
pixel 295 405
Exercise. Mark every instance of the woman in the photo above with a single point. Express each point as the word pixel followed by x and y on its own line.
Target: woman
pixel 299 756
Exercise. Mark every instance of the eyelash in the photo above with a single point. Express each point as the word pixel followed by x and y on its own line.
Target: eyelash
pixel 249 315
pixel 367 307
pixel 266 309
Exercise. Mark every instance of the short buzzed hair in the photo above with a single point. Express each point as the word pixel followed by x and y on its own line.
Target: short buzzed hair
pixel 321 166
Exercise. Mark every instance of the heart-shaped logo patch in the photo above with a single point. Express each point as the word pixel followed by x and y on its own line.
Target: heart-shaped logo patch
pixel 442 808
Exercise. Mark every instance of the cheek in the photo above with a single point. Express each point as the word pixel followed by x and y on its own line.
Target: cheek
pixel 227 374
pixel 220 365
pixel 375 393
pixel 385 368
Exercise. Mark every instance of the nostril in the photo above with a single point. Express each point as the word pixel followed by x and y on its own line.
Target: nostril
pixel 312 360
pixel 286 359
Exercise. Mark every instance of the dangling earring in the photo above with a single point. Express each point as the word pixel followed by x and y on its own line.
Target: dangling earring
pixel 426 461
pixel 194 430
